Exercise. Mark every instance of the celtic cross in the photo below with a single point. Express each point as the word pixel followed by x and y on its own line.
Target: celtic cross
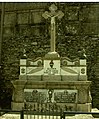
pixel 53 14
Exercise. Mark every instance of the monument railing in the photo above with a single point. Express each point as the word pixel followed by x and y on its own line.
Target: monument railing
pixel 32 114
pixel 46 114
pixel 70 113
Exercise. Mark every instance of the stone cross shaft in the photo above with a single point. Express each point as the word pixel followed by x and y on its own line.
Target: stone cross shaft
pixel 53 14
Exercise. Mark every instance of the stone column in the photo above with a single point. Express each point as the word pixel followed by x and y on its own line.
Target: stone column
pixel 82 95
pixel 18 95
pixel 84 103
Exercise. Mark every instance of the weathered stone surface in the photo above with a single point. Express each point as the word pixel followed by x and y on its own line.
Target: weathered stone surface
pixel 84 107
pixel 17 105
pixel 9 19
pixel 36 17
pixel 69 78
pixel 23 18
pixel 51 78
pixel 30 77
pixel 81 86
pixel 83 77
pixel 18 95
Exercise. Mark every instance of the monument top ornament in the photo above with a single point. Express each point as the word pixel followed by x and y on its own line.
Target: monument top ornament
pixel 53 14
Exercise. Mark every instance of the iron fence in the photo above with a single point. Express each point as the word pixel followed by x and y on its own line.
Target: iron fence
pixel 33 114
pixel 68 113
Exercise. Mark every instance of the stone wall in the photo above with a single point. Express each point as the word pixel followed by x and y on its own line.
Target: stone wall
pixel 24 27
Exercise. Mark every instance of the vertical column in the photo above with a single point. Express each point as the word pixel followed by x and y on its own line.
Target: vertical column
pixel 1 35
pixel 53 34
pixel 18 95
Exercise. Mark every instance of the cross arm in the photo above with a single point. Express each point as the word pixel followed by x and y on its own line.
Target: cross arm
pixel 46 15
pixel 60 14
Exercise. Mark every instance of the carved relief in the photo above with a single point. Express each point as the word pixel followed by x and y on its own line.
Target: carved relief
pixel 83 70
pixel 65 97
pixel 44 95
pixel 18 95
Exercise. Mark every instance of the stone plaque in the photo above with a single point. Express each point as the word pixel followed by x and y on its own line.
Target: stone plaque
pixel 44 95
pixel 50 71
pixel 65 96
pixel 35 95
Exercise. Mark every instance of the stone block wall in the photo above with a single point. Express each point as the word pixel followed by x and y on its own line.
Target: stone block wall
pixel 24 27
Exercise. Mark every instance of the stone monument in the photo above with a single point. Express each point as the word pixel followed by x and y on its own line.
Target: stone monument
pixel 52 79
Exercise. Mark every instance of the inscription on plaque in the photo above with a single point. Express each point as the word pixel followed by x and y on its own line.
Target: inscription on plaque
pixel 65 96
pixel 51 71
pixel 33 95
pixel 45 96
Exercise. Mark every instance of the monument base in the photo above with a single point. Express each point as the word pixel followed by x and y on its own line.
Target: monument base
pixel 17 105
pixel 70 96
pixel 84 107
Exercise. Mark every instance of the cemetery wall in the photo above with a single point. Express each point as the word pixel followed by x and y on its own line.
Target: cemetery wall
pixel 24 27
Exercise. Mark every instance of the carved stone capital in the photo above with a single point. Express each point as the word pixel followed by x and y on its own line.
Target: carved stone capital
pixel 18 84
